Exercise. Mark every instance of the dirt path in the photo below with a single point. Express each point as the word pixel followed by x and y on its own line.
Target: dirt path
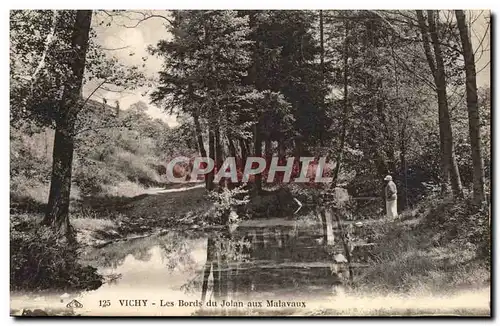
pixel 154 191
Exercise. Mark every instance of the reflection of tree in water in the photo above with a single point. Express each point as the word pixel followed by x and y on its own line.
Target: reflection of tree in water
pixel 142 254
pixel 279 259
pixel 224 254
pixel 193 285
pixel 113 256
pixel 176 249
pixel 107 259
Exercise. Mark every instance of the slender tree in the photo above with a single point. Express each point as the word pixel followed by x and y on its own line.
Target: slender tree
pixel 472 109
pixel 345 106
pixel 449 165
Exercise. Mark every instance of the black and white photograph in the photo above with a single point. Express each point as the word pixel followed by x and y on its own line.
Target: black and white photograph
pixel 278 163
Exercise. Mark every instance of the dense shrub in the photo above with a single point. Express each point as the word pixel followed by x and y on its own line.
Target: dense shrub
pixel 135 168
pixel 29 156
pixel 462 223
pixel 91 176
pixel 40 260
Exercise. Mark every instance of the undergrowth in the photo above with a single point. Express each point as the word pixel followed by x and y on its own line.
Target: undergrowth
pixel 41 260
pixel 445 246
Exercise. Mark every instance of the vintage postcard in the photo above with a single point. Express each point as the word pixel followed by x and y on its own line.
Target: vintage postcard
pixel 250 163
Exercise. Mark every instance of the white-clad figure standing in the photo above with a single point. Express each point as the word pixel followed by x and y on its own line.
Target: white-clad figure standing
pixel 391 196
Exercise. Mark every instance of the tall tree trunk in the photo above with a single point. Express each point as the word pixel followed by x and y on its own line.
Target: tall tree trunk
pixel 322 43
pixel 211 154
pixel 456 183
pixel 57 213
pixel 444 175
pixel 298 151
pixel 281 149
pixel 402 158
pixel 199 141
pixel 199 135
pixel 449 167
pixel 244 152
pixel 322 63
pixel 268 150
pixel 219 150
pixel 220 154
pixel 232 148
pixel 257 153
pixel 402 137
pixel 472 109
pixel 232 153
pixel 249 147
pixel 345 112
pixel 388 140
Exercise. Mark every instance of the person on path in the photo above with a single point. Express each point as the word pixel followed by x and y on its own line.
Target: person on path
pixel 391 195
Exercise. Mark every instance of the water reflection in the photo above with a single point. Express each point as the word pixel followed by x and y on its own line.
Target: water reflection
pixel 174 248
pixel 258 260
pixel 282 260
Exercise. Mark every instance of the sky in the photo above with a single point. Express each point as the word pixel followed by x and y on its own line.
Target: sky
pixel 480 28
pixel 149 32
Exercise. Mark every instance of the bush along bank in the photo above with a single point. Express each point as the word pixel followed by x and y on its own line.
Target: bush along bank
pixel 441 246
pixel 40 260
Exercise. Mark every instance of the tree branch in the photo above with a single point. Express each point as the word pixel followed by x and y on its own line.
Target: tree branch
pixel 404 65
pixel 144 17
pixel 149 17
pixel 110 126
pixel 482 40
pixel 50 36
pixel 116 90
pixel 115 49
pixel 426 42
pixel 95 90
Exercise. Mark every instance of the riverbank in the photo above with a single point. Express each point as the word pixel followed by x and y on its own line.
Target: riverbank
pixel 118 219
pixel 438 249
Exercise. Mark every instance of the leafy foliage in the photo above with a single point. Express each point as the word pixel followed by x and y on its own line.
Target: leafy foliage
pixel 227 203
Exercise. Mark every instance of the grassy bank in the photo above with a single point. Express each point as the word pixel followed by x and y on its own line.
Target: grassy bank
pixel 125 212
pixel 440 247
